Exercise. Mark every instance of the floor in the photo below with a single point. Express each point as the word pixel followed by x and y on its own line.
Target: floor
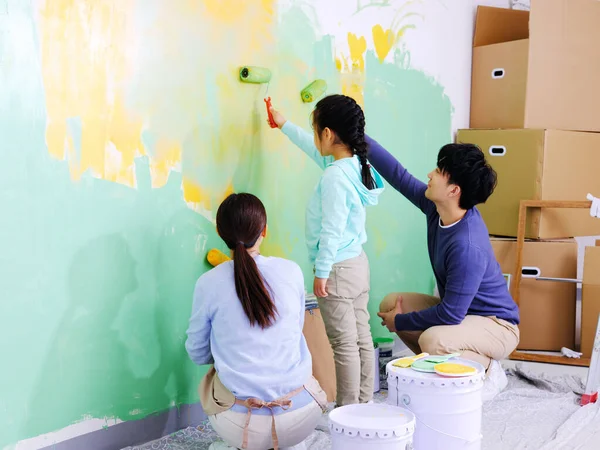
pixel 549 369
pixel 524 416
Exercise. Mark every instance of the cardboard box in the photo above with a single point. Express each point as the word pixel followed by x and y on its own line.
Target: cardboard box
pixel 547 308
pixel 590 299
pixel 321 352
pixel 538 69
pixel 539 165
pixel 499 73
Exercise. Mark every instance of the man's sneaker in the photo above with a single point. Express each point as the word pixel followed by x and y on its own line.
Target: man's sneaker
pixel 495 381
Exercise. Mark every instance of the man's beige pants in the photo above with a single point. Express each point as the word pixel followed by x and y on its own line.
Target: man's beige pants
pixel 477 338
pixel 346 319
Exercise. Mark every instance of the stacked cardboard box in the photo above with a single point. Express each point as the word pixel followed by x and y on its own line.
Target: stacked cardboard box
pixel 535 113
pixel 320 350
pixel 590 298
pixel 547 309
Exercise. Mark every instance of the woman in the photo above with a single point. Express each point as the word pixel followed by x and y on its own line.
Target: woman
pixel 247 320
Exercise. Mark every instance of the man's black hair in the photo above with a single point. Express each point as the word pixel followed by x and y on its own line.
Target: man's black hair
pixel 466 167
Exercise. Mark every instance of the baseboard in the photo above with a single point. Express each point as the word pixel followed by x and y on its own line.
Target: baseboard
pixel 136 432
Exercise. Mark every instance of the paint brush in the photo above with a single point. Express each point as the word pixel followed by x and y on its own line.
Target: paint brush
pixel 409 360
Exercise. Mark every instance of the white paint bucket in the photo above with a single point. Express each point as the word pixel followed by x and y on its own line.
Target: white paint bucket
pixel 371 427
pixel 448 410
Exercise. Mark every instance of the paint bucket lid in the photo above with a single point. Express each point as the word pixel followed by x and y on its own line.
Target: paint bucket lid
pixel 409 375
pixel 384 343
pixel 372 420
pixel 449 369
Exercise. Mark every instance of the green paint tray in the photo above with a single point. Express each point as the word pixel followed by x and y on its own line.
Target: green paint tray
pixel 428 364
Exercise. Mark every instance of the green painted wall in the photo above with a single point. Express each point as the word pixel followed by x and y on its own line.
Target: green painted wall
pixel 97 277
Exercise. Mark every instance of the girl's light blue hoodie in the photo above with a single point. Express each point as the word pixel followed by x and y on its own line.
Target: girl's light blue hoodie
pixel 335 215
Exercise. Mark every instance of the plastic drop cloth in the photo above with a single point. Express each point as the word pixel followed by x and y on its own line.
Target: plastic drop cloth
pixel 535 412
pixel 539 412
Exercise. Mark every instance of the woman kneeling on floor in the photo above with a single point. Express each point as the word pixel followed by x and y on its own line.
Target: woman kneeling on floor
pixel 247 320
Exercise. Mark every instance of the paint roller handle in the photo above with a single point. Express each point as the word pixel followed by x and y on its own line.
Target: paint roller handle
pixel 271 120
pixel 276 116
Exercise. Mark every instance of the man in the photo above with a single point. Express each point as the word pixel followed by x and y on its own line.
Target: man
pixel 475 314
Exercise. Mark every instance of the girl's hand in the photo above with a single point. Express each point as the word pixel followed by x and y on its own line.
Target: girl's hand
pixel 277 117
pixel 320 287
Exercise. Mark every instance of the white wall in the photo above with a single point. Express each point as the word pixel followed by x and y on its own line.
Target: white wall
pixel 442 47
pixel 440 44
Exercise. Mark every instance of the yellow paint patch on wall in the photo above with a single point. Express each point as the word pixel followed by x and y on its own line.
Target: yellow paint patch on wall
pixel 167 158
pixel 125 134
pixel 353 86
pixel 203 200
pixel 383 41
pixel 232 11
pixel 227 192
pixel 352 68
pixel 358 47
pixel 113 69
pixel 236 109
pixel 84 61
pixel 89 59
pixel 247 23
pixel 225 11
pixel 193 193
pixel 203 108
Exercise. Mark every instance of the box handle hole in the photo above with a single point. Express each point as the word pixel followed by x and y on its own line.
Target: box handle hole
pixel 498 73
pixel 497 150
pixel 530 272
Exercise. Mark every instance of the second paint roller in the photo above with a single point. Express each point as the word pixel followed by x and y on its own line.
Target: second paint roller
pixel 313 91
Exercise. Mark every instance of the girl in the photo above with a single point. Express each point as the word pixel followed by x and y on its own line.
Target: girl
pixel 247 320
pixel 335 234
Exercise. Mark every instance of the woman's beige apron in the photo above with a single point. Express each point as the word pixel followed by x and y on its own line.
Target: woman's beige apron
pixel 216 398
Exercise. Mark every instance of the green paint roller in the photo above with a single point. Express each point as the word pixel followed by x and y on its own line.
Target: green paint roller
pixel 259 75
pixel 256 75
pixel 313 91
